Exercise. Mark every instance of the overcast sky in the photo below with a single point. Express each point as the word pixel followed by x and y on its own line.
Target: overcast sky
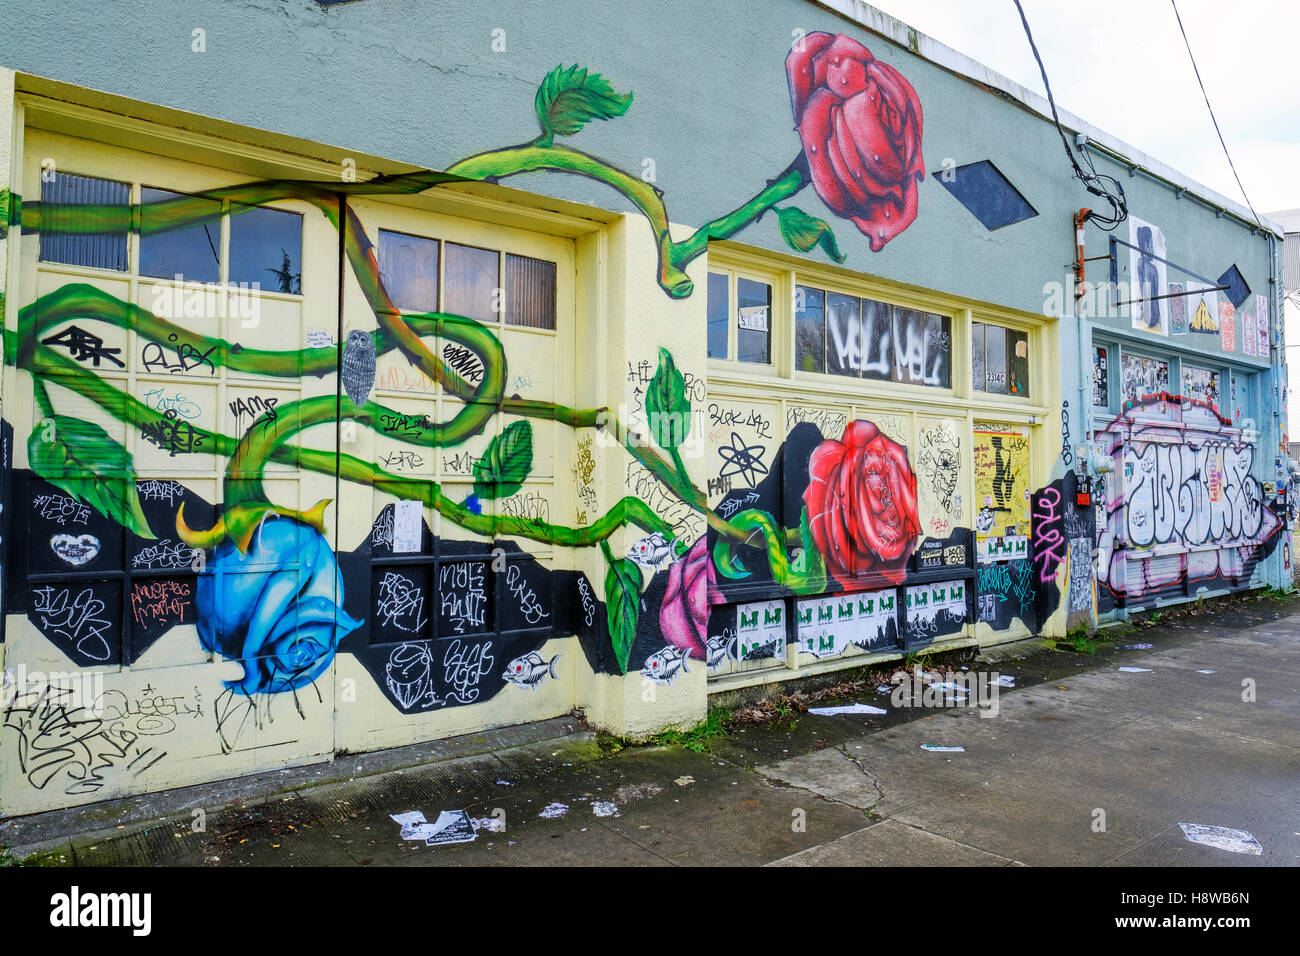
pixel 1121 65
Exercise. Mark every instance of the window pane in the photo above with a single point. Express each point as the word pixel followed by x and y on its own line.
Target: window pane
pixel 809 330
pixel 266 248
pixel 190 251
pixel 843 335
pixel 471 281
pixel 78 237
pixel 909 346
pixel 1202 385
pixel 1017 363
pixel 995 359
pixel 718 315
pixel 978 381
pixel 878 343
pixel 408 268
pixel 530 292
pixel 753 317
pixel 938 350
pixel 1141 376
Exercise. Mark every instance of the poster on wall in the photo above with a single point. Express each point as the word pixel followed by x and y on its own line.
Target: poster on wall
pixel 1249 332
pixel 1261 325
pixel 1177 309
pixel 930 605
pixel 1227 327
pixel 760 630
pixel 1147 277
pixel 1203 306
pixel 1001 492
pixel 829 625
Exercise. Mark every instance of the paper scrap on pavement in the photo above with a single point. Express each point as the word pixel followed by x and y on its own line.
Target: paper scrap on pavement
pixel 554 810
pixel 1207 672
pixel 1006 680
pixel 1224 838
pixel 846 709
pixel 1135 647
pixel 407 819
pixel 452 826
pixel 884 689
pixel 491 824
pixel 1136 670
pixel 604 809
pixel 935 748
pixel 957 689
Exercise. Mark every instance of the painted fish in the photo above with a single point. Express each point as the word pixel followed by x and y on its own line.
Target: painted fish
pixel 663 665
pixel 715 652
pixel 652 550
pixel 530 670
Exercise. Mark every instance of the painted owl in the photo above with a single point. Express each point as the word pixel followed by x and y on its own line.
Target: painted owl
pixel 359 367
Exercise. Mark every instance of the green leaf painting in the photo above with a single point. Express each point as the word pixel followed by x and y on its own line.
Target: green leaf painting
pixel 802 232
pixel 622 605
pixel 666 404
pixel 80 458
pixel 506 463
pixel 569 99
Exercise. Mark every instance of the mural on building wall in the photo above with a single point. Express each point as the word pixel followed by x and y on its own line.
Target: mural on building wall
pixel 257 575
pixel 859 122
pixel 1182 511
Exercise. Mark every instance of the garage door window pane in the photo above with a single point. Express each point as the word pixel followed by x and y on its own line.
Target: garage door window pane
pixel 472 281
pixel 189 251
pixel 266 248
pixel 754 315
pixel 717 315
pixel 93 234
pixel 810 329
pixel 530 292
pixel 408 268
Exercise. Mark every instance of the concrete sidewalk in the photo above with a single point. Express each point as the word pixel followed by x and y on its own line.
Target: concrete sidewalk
pixel 1148 749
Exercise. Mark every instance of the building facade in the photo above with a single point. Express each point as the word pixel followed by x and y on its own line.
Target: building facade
pixel 376 373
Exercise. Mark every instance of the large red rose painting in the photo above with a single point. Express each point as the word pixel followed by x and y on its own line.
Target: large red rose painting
pixel 860 124
pixel 861 502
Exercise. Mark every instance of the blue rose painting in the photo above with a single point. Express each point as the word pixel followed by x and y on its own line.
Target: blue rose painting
pixel 275 608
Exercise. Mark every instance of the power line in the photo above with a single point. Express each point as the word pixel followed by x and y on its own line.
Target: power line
pixel 1197 71
pixel 1092 180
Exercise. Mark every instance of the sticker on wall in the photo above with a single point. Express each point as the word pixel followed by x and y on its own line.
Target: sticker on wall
pixel 1147 277
pixel 1100 378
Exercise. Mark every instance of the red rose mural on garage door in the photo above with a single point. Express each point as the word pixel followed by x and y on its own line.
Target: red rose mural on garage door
pixel 861 501
pixel 860 124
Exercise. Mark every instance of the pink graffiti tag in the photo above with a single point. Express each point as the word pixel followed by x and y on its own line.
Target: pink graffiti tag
pixel 1049 543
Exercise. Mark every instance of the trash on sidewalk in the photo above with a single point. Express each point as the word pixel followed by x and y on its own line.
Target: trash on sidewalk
pixel 936 748
pixel 1224 838
pixel 1136 647
pixel 846 709
pixel 491 824
pixel 957 690
pixel 1006 680
pixel 604 809
pixel 554 810
pixel 684 781
pixel 1136 670
pixel 1207 672
pixel 452 826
